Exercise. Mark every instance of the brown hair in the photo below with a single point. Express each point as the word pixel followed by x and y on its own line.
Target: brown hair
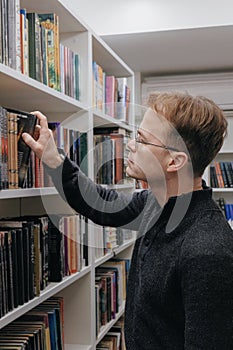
pixel 198 120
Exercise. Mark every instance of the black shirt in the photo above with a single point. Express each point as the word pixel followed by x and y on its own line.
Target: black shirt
pixel 180 287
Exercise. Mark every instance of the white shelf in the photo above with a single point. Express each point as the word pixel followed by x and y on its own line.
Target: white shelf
pixel 103 120
pixel 107 58
pixel 223 190
pixel 104 258
pixel 29 192
pixel 77 347
pixel 50 290
pixel 119 187
pixel 227 151
pixel 30 95
pixel 124 246
pixel 115 251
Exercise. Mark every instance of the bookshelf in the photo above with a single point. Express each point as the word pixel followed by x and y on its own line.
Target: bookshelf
pixel 21 92
pixel 225 156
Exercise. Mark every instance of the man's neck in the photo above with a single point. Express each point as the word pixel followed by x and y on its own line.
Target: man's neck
pixel 174 188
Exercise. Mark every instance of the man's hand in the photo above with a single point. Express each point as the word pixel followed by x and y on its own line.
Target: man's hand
pixel 43 143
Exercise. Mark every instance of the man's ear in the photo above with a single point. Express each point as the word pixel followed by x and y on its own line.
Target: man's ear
pixel 177 161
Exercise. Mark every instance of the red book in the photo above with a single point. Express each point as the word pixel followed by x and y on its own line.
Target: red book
pixel 119 156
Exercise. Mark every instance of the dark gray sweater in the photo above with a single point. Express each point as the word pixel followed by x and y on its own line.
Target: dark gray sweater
pixel 180 287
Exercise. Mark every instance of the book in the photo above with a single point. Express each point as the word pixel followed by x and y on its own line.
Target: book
pixel 122 106
pixel 24 41
pixel 18 241
pixel 12 151
pixel 55 251
pixel 37 315
pixel 119 138
pixel 34 42
pixel 110 95
pixel 4 149
pixel 49 23
pixel 26 122
pixel 118 327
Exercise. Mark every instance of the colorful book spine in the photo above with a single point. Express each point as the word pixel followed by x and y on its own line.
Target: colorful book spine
pixel 110 96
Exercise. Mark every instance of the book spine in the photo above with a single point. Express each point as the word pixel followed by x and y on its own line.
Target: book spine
pixel 110 96
pixel 18 52
pixel 5 150
pixel 229 173
pixel 31 260
pixel 11 24
pixel 15 267
pixel 5 42
pixel 10 294
pixel 20 252
pixel 32 44
pixel 77 76
pixel 26 123
pixel 121 99
pixel 4 300
pixel 224 175
pixel 1 160
pixel 55 253
pixel 26 262
pixel 37 265
pixel 10 131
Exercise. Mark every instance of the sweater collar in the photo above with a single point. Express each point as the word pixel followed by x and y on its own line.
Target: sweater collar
pixel 177 207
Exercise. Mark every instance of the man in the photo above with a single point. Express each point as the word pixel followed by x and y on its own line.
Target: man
pixel 180 287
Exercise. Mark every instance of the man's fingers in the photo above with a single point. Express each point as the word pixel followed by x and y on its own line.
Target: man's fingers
pixel 29 140
pixel 42 119
pixel 36 134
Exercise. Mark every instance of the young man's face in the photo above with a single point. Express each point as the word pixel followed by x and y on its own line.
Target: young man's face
pixel 149 162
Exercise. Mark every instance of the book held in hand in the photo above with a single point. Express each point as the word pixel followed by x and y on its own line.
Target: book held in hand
pixel 25 123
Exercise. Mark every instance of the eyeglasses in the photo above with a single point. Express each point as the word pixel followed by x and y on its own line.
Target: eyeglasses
pixel 138 140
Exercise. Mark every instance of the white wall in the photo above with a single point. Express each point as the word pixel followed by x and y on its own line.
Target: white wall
pixel 133 16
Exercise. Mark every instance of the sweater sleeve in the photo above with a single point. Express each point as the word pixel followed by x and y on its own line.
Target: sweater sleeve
pixel 207 290
pixel 102 206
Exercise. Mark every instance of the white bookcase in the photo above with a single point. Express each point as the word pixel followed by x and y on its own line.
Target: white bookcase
pixel 23 93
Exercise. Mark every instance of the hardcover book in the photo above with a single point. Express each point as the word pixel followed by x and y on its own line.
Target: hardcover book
pixel 25 123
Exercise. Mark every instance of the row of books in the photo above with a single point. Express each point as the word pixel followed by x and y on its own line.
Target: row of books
pixel 227 209
pixel 40 328
pixel 49 61
pixel 37 250
pixel 111 95
pixel 110 151
pixel 221 174
pixel 106 239
pixel 10 50
pixel 30 44
pixel 114 339
pixel 110 290
pixel 73 142
pixel 110 154
pixel 14 154
pixel 19 167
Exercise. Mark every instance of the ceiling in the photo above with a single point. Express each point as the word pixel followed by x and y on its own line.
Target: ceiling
pixel 158 37
pixel 176 51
